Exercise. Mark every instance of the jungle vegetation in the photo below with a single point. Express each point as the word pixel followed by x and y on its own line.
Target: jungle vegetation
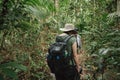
pixel 27 27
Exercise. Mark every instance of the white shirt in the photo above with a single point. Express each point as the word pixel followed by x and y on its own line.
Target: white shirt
pixel 79 43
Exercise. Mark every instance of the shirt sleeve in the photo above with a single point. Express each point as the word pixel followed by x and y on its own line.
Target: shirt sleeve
pixel 72 40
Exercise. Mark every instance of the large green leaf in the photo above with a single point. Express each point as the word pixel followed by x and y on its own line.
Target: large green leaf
pixel 23 25
pixel 9 73
pixel 1 77
pixel 13 65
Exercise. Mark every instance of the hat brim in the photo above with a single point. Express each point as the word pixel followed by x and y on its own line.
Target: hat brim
pixel 66 30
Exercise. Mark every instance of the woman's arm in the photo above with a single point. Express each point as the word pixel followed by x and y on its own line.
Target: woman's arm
pixel 75 55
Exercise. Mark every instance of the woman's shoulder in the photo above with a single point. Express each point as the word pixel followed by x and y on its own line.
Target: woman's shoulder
pixel 61 37
pixel 63 34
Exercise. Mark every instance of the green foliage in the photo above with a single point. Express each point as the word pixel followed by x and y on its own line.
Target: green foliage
pixel 13 65
pixel 40 9
pixel 10 69
pixel 24 26
pixel 27 27
pixel 102 41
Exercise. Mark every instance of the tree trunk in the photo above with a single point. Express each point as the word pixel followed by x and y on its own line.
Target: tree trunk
pixel 118 7
pixel 56 2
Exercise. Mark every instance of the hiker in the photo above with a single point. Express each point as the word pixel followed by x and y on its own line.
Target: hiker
pixel 71 71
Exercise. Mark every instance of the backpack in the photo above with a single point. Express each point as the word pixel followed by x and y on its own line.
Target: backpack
pixel 58 57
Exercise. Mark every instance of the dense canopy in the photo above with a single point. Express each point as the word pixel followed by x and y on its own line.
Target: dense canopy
pixel 27 27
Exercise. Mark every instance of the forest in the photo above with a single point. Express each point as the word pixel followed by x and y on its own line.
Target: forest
pixel 28 27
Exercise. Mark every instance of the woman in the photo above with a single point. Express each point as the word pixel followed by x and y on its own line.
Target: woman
pixel 71 72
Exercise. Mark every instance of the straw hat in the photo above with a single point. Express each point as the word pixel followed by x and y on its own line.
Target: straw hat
pixel 68 27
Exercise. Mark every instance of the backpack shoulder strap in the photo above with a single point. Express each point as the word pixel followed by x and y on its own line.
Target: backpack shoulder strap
pixel 67 38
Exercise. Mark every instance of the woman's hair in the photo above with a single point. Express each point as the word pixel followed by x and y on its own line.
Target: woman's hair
pixel 71 32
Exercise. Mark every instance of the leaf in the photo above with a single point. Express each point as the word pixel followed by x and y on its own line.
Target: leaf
pixel 9 73
pixel 1 77
pixel 21 67
pixel 13 65
pixel 24 26
pixel 103 51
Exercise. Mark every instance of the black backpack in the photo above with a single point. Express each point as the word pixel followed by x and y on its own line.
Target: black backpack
pixel 58 57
